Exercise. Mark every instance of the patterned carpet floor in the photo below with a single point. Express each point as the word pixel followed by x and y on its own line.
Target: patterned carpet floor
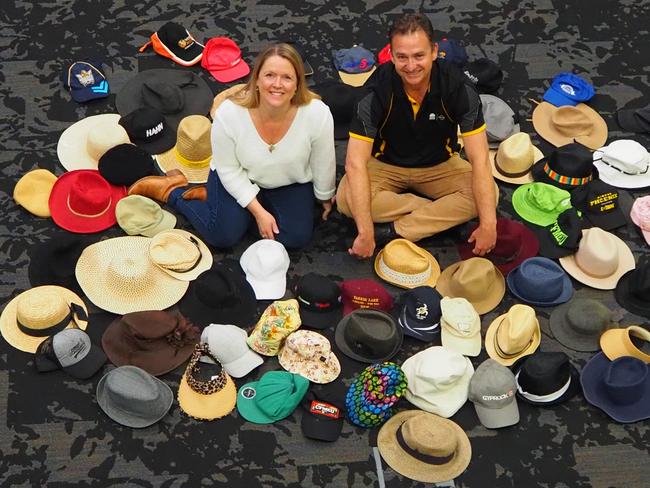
pixel 52 433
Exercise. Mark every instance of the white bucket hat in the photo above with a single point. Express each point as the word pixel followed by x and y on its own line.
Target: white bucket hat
pixel 624 164
pixel 266 263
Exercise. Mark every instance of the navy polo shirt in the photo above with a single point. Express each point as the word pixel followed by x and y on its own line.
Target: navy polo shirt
pixel 405 133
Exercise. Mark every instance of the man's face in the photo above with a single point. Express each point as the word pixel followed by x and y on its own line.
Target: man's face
pixel 413 57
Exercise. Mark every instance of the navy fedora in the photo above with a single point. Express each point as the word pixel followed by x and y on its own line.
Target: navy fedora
pixel 540 281
pixel 620 388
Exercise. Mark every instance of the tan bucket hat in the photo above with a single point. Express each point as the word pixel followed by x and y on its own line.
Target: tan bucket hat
pixel 180 254
pixel 602 258
pixel 406 265
pixel 617 343
pixel 34 315
pixel 475 279
pixel 514 158
pixel 118 276
pixel 567 124
pixel 32 192
pixel 513 335
pixel 424 447
pixel 83 143
pixel 193 150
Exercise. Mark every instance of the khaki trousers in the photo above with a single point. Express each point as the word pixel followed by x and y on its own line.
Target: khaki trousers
pixel 447 185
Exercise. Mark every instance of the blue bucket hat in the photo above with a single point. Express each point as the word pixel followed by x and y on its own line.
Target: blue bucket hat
pixel 568 89
pixel 540 281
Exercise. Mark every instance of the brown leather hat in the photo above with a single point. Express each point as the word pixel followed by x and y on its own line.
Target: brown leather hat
pixel 155 341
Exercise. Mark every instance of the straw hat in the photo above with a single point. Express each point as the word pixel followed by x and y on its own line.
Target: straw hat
pixel 406 265
pixel 475 279
pixel 32 191
pixel 83 143
pixel 563 125
pixel 514 159
pixel 602 258
pixel 180 254
pixel 193 150
pixel 513 335
pixel 37 313
pixel 409 436
pixel 117 276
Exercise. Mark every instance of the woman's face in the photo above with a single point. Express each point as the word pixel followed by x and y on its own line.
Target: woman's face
pixel 277 82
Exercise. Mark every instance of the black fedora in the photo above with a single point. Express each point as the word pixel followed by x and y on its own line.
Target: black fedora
pixel 220 295
pixel 125 164
pixel 561 238
pixel 546 379
pixel 485 74
pixel 633 289
pixel 368 335
pixel 341 99
pixel 567 167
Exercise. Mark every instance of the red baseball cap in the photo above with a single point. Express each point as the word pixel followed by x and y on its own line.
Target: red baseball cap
pixel 222 58
pixel 384 55
pixel 365 293
pixel 83 201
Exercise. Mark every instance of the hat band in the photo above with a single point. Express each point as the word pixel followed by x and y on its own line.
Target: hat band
pixel 203 163
pixel 566 180
pixel 542 398
pixel 321 307
pixel 602 160
pixel 425 458
pixel 507 173
pixel 410 279
pixel 204 387
pixel 75 310
pixel 501 352
pixel 89 216
pixel 194 265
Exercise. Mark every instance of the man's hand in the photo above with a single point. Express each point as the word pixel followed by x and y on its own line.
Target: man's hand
pixel 363 246
pixel 484 238
pixel 327 207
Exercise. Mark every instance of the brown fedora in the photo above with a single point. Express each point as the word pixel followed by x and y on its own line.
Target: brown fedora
pixel 193 150
pixel 567 124
pixel 514 159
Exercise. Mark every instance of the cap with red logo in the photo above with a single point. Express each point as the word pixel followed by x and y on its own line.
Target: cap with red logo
pixel 319 299
pixel 365 293
pixel 222 58
pixel 384 55
pixel 321 420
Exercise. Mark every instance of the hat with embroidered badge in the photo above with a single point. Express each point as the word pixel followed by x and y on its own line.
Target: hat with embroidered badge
pixel 623 163
pixel 513 160
pixel 265 263
pixel 492 390
pixel 568 167
pixel 599 204
pixel 418 312
pixel 279 320
pixel 452 51
pixel 540 203
pixel 320 301
pixel 86 81
pixel 148 129
pixel 365 293
pixel 354 65
pixel 180 254
pixel 540 282
pixel 174 41
pixel 568 89
pixel 513 335
pixel 568 124
pixel 32 191
pixel 322 417
pixel 222 58
pixel 460 326
pixel 272 398
pixel 309 354
pixel 404 264
pixel 485 74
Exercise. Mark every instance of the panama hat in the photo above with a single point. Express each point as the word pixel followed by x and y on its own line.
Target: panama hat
pixel 193 150
pixel 602 258
pixel 564 125
pixel 32 192
pixel 514 158
pixel 82 144
pixel 34 315
pixel 180 254
pixel 406 265
pixel 513 335
pixel 424 447
pixel 117 276
pixel 475 279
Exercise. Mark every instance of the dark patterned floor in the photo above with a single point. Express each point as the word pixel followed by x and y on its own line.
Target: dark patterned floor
pixel 51 431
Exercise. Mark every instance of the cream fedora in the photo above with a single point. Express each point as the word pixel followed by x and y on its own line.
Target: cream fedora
pixel 513 335
pixel 180 254
pixel 475 279
pixel 83 143
pixel 406 265
pixel 193 150
pixel 602 258
pixel 514 159
pixel 567 124
pixel 32 192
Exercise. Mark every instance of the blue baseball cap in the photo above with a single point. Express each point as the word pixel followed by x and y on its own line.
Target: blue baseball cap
pixel 451 51
pixel 568 89
pixel 86 81
pixel 355 65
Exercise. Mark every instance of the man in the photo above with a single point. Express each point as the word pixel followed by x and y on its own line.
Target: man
pixel 403 144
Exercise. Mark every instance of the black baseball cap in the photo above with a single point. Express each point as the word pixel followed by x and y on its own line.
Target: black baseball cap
pixel 322 419
pixel 561 238
pixel 599 203
pixel 148 129
pixel 125 164
pixel 485 74
pixel 72 351
pixel 319 299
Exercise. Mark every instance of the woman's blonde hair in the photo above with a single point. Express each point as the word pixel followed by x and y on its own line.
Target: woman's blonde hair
pixel 249 97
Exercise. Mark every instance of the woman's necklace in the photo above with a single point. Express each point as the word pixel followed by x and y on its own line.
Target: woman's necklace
pixel 263 123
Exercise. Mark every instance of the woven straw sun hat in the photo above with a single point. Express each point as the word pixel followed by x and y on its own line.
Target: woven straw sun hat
pixel 118 276
pixel 180 254
pixel 193 150
pixel 406 265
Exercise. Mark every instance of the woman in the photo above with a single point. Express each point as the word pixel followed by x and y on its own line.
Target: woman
pixel 273 151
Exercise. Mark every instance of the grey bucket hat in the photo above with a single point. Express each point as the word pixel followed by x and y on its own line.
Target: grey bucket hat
pixel 500 119
pixel 578 324
pixel 132 397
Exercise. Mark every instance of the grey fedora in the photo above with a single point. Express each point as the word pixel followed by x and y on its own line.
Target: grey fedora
pixel 579 324
pixel 368 335
pixel 132 397
pixel 500 119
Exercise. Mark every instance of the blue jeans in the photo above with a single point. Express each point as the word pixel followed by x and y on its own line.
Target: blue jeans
pixel 222 222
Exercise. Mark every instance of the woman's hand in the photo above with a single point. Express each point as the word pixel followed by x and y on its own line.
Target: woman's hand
pixel 327 207
pixel 267 225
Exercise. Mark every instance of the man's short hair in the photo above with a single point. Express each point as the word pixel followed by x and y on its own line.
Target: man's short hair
pixel 410 23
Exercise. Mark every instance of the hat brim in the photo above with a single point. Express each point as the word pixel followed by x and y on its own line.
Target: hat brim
pixel 207 407
pixel 514 180
pixel 542 116
pixel 71 148
pixel 540 175
pixel 268 290
pixel 627 300
pixel 467 346
pixel 491 297
pixel 563 334
pixel 321 320
pixel 321 428
pixel 25 342
pixel 125 418
pixel 497 418
pixel 625 263
pixel 490 337
pixel 356 79
pixel 628 121
pixel 318 371
pixel 565 294
pixel 617 178
pixel 233 73
pixel 248 409
pixel 204 263
pixel 167 161
pixel 430 281
pixel 573 390
pixel 339 339
pixel 406 465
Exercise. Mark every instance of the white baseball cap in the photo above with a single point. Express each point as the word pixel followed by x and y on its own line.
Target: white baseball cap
pixel 265 263
pixel 460 326
pixel 228 344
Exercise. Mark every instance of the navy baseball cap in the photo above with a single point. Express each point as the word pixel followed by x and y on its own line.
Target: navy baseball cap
pixel 86 81
pixel 419 313
pixel 568 89
pixel 451 51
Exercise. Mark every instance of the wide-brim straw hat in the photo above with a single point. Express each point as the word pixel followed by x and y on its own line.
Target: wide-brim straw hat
pixel 32 192
pixel 193 150
pixel 82 144
pixel 423 431
pixel 564 125
pixel 37 309
pixel 512 162
pixel 406 265
pixel 117 276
